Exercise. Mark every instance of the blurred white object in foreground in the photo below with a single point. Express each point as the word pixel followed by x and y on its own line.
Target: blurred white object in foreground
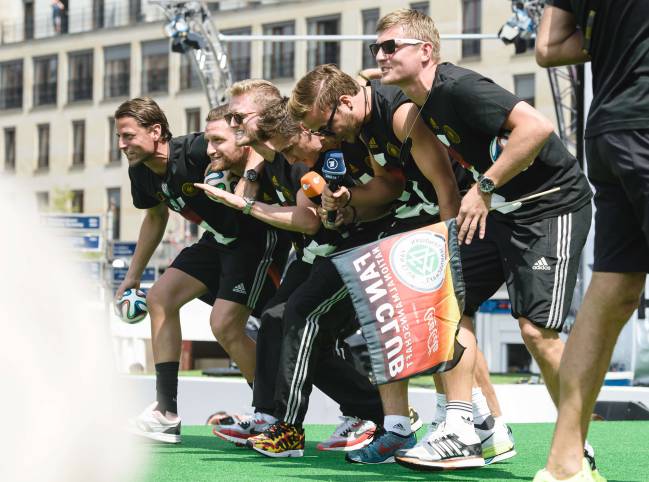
pixel 63 407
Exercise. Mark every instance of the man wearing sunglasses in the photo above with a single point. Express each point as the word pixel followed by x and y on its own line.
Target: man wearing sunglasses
pixel 289 151
pixel 535 248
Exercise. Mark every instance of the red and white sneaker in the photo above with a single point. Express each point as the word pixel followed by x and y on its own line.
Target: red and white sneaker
pixel 155 426
pixel 352 434
pixel 224 418
pixel 239 432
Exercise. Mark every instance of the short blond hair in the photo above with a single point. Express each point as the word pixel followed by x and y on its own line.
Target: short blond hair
pixel 415 25
pixel 217 113
pixel 265 93
pixel 321 88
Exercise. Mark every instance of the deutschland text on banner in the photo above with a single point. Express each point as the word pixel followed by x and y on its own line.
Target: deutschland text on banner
pixel 408 293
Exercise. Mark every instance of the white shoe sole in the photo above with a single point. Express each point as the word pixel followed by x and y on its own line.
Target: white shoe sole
pixel 157 436
pixel 389 460
pixel 346 448
pixel 500 457
pixel 230 438
pixel 452 464
pixel 287 453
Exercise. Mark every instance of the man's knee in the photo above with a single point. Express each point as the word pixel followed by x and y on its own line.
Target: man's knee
pixel 228 325
pixel 619 292
pixel 536 337
pixel 160 301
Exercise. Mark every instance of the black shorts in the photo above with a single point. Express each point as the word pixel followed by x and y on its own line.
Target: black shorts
pixel 247 273
pixel 618 168
pixel 538 261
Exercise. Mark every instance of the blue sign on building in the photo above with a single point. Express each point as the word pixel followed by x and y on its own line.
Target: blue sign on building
pixel 84 242
pixel 148 276
pixel 123 249
pixel 72 221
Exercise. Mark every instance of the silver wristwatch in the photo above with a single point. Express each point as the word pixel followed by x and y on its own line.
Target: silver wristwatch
pixel 250 202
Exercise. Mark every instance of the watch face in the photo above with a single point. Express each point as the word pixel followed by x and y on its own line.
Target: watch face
pixel 251 175
pixel 486 185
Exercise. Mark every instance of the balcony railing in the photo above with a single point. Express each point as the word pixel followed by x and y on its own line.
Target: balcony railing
pixel 11 97
pixel 117 85
pixel 119 13
pixel 79 89
pixel 45 94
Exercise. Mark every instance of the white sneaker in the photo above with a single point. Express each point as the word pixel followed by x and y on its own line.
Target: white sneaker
pixel 247 426
pixel 152 424
pixel 497 440
pixel 443 449
pixel 351 434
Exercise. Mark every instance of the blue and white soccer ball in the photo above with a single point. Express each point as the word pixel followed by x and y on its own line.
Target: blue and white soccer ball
pixel 497 145
pixel 131 306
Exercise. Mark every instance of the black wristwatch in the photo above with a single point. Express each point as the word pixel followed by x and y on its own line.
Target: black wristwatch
pixel 251 175
pixel 486 184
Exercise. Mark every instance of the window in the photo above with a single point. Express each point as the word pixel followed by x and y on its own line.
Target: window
pixel 193 120
pixel 420 7
pixel 28 20
pixel 323 52
pixel 238 54
pixel 370 19
pixel 43 161
pixel 10 149
pixel 134 11
pixel 78 143
pixel 117 71
pixel 114 154
pixel 42 200
pixel 188 75
pixel 45 73
pixel 114 197
pixel 524 88
pixel 79 76
pixel 76 201
pixel 279 57
pixel 471 23
pixel 519 359
pixel 98 17
pixel 155 67
pixel 11 84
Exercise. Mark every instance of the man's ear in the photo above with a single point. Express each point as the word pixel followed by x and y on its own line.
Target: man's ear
pixel 156 131
pixel 346 100
pixel 426 52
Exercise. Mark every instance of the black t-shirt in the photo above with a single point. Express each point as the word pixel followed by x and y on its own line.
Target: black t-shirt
pixel 186 165
pixel 619 48
pixel 467 112
pixel 419 197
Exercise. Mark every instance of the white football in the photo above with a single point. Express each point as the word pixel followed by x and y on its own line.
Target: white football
pixel 131 306
pixel 222 179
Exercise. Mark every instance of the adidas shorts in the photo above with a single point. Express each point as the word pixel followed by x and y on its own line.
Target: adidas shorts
pixel 247 273
pixel 538 262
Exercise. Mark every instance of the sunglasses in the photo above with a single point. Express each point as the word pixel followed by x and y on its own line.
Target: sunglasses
pixel 390 46
pixel 327 129
pixel 238 117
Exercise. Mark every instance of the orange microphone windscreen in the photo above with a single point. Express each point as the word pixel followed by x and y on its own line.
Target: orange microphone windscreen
pixel 312 184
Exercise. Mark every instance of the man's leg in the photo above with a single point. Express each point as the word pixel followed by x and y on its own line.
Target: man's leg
pixel 547 348
pixel 228 321
pixel 482 379
pixel 164 300
pixel 609 302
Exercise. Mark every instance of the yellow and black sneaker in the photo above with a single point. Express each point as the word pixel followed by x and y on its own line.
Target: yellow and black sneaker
pixel 279 440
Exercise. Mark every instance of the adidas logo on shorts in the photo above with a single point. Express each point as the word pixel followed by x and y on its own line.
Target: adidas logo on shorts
pixel 542 264
pixel 240 288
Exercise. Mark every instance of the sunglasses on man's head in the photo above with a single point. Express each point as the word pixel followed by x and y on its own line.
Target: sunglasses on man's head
pixel 327 129
pixel 238 117
pixel 390 46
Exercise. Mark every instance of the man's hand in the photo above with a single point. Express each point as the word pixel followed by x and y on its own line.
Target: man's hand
pixel 128 283
pixel 336 200
pixel 222 196
pixel 473 214
pixel 340 219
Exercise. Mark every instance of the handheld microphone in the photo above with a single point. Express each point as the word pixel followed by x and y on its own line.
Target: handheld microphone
pixel 312 185
pixel 333 170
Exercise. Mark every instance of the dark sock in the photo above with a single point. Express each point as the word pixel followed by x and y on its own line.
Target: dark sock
pixel 166 385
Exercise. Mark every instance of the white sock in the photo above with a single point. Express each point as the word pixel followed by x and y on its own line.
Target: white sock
pixel 459 415
pixel 480 408
pixel 440 408
pixel 397 424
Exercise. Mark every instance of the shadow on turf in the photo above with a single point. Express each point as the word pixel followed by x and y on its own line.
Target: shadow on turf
pixel 315 460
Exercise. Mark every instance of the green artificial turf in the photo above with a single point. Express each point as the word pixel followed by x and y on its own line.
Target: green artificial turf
pixel 622 455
